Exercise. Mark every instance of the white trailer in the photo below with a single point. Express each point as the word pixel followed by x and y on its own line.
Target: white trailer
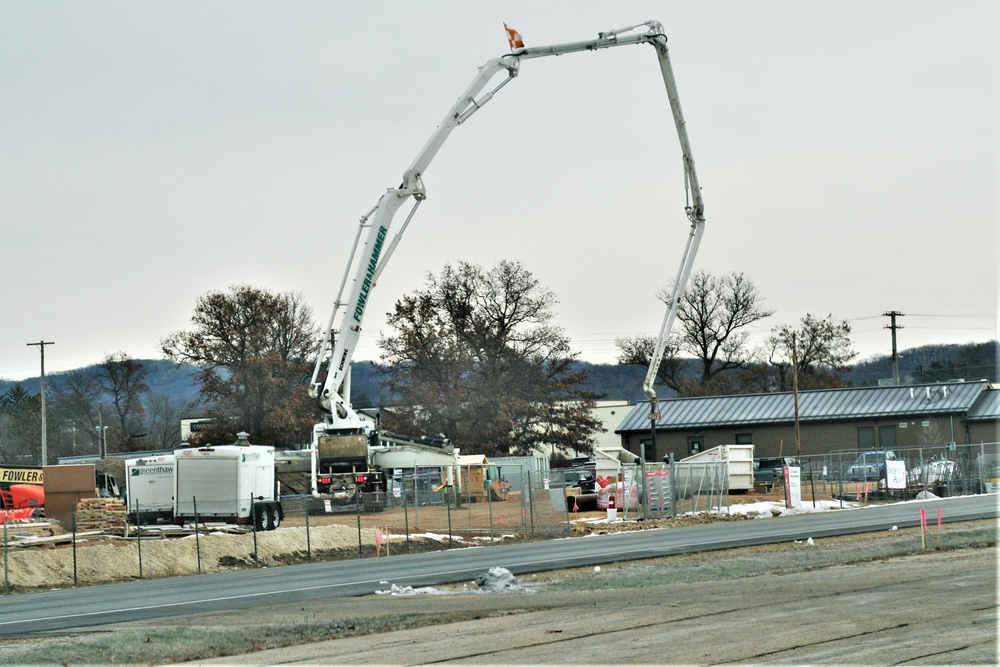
pixel 149 488
pixel 229 483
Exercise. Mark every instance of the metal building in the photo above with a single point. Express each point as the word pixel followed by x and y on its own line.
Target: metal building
pixel 832 419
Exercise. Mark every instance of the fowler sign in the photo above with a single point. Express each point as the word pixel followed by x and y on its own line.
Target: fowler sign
pixel 9 475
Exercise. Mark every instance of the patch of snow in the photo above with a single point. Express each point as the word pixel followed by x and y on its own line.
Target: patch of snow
pixel 487 538
pixel 438 536
pixel 763 509
pixel 409 590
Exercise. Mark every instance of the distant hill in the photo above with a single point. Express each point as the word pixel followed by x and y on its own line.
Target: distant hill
pixel 930 363
pixel 163 377
pixel 607 381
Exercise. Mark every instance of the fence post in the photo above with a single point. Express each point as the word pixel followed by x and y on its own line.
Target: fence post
pixel 673 486
pixel 358 507
pixel 447 501
pixel 253 524
pixel 6 583
pixel 138 533
pixel 489 499
pixel 812 482
pixel 74 539
pixel 197 543
pixel 840 477
pixel 416 502
pixel 569 526
pixel 406 514
pixel 531 508
pixel 309 556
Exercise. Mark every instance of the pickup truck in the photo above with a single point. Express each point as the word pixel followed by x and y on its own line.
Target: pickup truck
pixel 582 478
pixel 869 466
pixel 771 470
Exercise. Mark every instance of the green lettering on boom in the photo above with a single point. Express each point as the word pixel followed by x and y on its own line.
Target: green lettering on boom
pixel 366 284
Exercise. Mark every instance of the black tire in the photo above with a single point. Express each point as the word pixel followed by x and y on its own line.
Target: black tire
pixel 261 518
pixel 275 517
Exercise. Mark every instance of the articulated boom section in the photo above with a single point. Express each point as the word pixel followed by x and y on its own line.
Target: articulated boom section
pixel 333 393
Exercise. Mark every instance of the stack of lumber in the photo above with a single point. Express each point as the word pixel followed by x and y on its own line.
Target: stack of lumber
pixel 19 528
pixel 104 514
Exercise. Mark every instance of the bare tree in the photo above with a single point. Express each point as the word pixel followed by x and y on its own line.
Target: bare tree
pixel 475 356
pixel 253 347
pixel 822 352
pixel 163 421
pixel 75 400
pixel 123 379
pixel 714 315
pixel 638 350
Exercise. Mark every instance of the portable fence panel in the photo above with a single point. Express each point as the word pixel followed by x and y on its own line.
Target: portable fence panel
pixel 701 486
pixel 546 512
pixel 465 500
pixel 658 491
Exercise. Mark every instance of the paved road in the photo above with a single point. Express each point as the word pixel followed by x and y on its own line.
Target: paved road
pixel 65 610
pixel 933 608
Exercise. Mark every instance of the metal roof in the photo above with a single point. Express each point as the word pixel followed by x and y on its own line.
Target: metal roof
pixel 817 405
pixel 988 407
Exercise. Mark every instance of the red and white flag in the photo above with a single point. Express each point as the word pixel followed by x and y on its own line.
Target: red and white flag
pixel 513 37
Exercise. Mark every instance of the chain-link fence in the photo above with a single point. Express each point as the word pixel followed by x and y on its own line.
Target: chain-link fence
pixel 653 491
pixel 475 503
pixel 438 508
pixel 946 469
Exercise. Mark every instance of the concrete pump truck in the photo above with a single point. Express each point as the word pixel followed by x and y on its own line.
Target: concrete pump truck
pixel 347 449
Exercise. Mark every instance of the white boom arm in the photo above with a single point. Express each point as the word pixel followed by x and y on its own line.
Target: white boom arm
pixel 333 393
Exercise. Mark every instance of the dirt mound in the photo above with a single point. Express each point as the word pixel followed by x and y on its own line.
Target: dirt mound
pixel 116 560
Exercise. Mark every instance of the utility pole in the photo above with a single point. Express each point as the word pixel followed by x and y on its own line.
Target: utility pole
pixel 892 315
pixel 795 393
pixel 41 348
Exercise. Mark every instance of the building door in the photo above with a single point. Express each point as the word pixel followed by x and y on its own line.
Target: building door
pixel 887 437
pixel 695 445
pixel 647 449
pixel 866 437
pixel 648 452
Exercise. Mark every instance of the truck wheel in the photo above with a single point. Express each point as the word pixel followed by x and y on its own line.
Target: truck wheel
pixel 275 517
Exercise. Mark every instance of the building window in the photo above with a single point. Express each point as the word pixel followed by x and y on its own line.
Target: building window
pixel 744 438
pixel 695 444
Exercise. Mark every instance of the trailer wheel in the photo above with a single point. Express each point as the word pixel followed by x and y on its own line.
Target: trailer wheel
pixel 275 517
pixel 262 518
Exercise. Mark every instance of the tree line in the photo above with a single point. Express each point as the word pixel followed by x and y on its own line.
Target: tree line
pixel 471 355
pixel 713 320
pixel 85 410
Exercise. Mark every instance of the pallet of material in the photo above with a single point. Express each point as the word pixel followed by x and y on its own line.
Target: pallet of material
pixel 104 514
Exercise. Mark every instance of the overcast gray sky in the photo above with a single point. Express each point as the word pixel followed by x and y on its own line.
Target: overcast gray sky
pixel 151 152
